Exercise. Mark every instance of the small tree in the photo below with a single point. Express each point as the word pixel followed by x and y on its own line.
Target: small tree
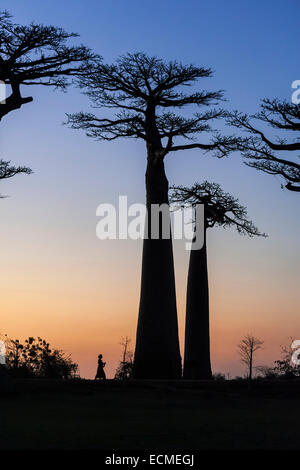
pixel 247 348
pixel 37 55
pixel 264 154
pixel 145 93
pixel 223 210
pixel 125 367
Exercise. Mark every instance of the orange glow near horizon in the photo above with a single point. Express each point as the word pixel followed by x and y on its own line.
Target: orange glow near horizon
pixel 88 310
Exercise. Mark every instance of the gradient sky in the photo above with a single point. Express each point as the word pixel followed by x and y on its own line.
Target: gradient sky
pixel 58 280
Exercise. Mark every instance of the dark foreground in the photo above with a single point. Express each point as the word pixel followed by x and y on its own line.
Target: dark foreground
pixel 41 414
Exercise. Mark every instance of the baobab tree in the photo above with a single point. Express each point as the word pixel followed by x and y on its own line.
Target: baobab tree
pixel 37 55
pixel 247 348
pixel 145 93
pixel 264 154
pixel 8 171
pixel 223 210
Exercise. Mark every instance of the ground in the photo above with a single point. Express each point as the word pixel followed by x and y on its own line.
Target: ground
pixel 81 414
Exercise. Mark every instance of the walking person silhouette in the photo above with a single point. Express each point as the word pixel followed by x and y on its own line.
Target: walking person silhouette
pixel 100 369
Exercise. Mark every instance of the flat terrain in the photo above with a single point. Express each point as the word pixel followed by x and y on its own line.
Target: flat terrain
pixel 42 414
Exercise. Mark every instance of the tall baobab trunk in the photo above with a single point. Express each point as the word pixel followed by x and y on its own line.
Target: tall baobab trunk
pixel 157 354
pixel 197 342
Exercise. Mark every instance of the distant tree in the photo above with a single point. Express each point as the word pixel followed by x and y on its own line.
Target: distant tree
pixel 145 91
pixel 8 171
pixel 37 55
pixel 35 358
pixel 125 367
pixel 247 348
pixel 125 343
pixel 264 154
pixel 223 210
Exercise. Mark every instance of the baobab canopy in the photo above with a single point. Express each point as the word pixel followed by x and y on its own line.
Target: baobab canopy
pixel 221 209
pixel 35 54
pixel 138 85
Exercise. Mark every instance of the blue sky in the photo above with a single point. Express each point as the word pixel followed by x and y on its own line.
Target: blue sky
pixel 49 218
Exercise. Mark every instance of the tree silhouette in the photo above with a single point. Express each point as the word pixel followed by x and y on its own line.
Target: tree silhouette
pixel 8 171
pixel 144 92
pixel 35 358
pixel 262 153
pixel 220 209
pixel 247 349
pixel 125 343
pixel 37 55
pixel 125 367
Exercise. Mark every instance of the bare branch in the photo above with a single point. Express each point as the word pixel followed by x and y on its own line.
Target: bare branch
pixel 259 149
pixel 8 171
pixel 221 146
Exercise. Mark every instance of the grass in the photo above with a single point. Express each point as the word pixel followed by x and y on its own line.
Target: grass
pixel 149 415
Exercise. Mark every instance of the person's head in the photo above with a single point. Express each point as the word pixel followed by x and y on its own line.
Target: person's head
pixel 100 356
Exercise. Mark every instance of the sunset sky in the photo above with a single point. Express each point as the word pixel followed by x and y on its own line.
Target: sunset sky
pixel 60 282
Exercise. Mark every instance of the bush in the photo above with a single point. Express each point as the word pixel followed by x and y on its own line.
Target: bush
pixel 218 376
pixel 35 358
pixel 266 372
pixel 124 370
